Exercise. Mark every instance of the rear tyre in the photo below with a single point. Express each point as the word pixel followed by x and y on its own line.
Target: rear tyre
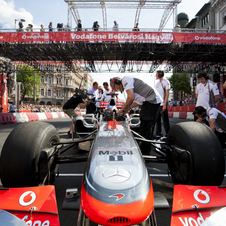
pixel 203 161
pixel 20 166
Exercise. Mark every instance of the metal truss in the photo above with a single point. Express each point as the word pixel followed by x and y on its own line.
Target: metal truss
pixel 115 56
pixel 139 7
pixel 104 13
pixel 72 11
pixel 169 6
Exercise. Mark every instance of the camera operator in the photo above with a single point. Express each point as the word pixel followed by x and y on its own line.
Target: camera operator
pixel 69 109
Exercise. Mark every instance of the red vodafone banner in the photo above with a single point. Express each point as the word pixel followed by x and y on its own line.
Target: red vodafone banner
pixel 150 37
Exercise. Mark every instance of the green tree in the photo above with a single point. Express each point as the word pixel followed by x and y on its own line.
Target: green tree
pixel 25 75
pixel 180 83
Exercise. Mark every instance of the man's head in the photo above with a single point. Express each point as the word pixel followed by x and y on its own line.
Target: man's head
pixel 105 85
pixel 116 84
pixel 159 74
pixel 95 85
pixel 100 90
pixel 202 77
pixel 199 112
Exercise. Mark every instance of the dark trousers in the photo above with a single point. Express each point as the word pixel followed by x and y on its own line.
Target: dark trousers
pixel 91 108
pixel 165 119
pixel 147 119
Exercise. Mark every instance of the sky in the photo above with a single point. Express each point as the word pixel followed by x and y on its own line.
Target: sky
pixel 56 11
pixel 45 11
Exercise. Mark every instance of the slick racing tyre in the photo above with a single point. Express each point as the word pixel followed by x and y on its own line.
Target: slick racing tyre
pixel 20 158
pixel 195 156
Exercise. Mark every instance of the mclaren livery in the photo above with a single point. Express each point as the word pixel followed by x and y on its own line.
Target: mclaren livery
pixel 116 187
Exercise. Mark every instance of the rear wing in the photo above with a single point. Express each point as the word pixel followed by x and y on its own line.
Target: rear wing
pixel 33 205
pixel 119 105
pixel 192 205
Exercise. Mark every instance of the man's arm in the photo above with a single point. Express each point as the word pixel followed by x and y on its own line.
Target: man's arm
pixel 216 97
pixel 134 104
pixel 129 100
pixel 212 124
pixel 83 105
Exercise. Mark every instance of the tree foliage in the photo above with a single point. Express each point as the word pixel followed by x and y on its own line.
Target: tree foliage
pixel 180 82
pixel 25 75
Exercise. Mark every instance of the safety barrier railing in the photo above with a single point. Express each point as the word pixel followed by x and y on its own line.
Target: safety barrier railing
pixel 189 30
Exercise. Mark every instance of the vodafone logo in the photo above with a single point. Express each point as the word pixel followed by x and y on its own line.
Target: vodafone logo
pixel 201 196
pixel 27 198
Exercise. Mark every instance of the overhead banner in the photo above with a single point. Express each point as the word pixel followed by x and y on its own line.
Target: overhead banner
pixel 149 37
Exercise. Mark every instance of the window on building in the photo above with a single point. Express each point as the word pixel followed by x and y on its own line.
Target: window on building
pixel 224 18
pixel 49 68
pixel 49 92
pixel 42 79
pixel 42 92
pixel 66 82
pixel 58 80
pixel 205 20
pixel 58 93
pixel 49 80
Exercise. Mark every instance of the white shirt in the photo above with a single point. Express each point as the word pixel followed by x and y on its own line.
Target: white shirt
pixel 203 91
pixel 105 97
pixel 115 27
pixel 98 99
pixel 161 87
pixel 212 113
pixel 138 99
pixel 128 83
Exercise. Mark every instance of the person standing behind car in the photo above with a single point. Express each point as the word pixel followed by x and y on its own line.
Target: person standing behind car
pixel 207 92
pixel 99 97
pixel 149 108
pixel 69 109
pixel 91 108
pixel 163 87
pixel 106 95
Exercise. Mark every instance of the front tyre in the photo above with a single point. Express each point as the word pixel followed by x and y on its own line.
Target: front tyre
pixel 20 155
pixel 202 161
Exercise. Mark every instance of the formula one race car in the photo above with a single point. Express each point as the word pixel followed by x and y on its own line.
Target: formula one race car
pixel 116 187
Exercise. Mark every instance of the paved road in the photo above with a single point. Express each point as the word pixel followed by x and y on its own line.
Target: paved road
pixel 160 179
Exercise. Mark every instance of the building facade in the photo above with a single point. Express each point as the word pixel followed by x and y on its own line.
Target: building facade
pixel 219 7
pixel 59 83
pixel 210 18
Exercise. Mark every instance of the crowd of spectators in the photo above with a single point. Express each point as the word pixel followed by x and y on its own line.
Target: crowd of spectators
pixel 61 27
pixel 37 108
pixel 187 100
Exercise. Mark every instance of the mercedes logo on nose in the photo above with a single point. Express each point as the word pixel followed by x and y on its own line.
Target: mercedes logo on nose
pixel 116 174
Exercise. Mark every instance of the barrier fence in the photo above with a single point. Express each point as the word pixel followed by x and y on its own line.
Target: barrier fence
pixel 181 112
